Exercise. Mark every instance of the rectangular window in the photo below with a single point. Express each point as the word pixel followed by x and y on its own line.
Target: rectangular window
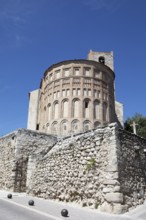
pixel 63 93
pixel 95 94
pixel 66 72
pixel 57 73
pixel 74 91
pixel 67 91
pixel 78 92
pixel 87 72
pixel 76 71
pixel 89 92
pixel 85 92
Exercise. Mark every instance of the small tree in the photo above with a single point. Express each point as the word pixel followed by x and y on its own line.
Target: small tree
pixel 140 121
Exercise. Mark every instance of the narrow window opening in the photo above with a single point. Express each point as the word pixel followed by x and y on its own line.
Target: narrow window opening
pixel 65 128
pixel 86 127
pixel 86 104
pixel 101 60
pixel 37 127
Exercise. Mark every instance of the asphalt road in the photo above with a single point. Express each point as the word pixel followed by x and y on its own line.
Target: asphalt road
pixel 10 211
pixel 17 208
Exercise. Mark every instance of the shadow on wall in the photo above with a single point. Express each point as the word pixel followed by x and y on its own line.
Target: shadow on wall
pixel 21 175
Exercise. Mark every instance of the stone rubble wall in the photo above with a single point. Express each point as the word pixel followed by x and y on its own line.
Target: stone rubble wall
pixel 82 169
pixel 15 149
pixel 132 168
pixel 7 160
pixel 103 168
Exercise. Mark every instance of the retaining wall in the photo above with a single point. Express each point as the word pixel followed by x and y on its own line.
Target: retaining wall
pixel 103 169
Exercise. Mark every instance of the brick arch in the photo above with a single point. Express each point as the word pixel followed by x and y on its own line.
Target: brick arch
pixel 56 109
pixel 64 127
pixel 75 126
pixel 87 125
pixel 105 109
pixel 48 127
pixel 65 108
pixel 96 124
pixel 76 107
pixel 54 128
pixel 96 109
pixel 86 107
pixel 49 112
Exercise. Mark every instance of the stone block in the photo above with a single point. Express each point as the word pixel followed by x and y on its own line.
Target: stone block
pixel 107 190
pixel 118 209
pixel 112 168
pixel 114 197
pixel 110 182
pixel 106 207
pixel 116 189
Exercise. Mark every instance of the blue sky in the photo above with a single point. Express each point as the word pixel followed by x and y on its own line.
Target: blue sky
pixel 35 34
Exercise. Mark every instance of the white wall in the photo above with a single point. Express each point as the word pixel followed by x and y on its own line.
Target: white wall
pixel 33 109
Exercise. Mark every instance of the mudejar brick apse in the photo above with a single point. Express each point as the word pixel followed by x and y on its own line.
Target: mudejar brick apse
pixel 75 96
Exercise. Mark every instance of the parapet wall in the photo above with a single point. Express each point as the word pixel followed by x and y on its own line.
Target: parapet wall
pixel 103 169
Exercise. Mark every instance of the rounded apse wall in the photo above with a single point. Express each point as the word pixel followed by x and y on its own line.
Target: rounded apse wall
pixel 76 96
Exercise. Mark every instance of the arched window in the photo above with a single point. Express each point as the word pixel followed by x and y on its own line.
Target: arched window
pixel 86 108
pixel 54 128
pixel 96 124
pixel 49 112
pixel 104 112
pixel 48 127
pixel 44 115
pixel 76 108
pixel 87 125
pixel 110 113
pixel 64 127
pixel 65 108
pixel 56 110
pixel 101 60
pixel 96 109
pixel 75 126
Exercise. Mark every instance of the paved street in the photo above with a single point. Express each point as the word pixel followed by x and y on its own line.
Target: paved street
pixel 17 208
pixel 9 211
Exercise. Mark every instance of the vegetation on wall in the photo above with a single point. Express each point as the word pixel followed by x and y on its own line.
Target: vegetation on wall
pixel 140 122
pixel 91 164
